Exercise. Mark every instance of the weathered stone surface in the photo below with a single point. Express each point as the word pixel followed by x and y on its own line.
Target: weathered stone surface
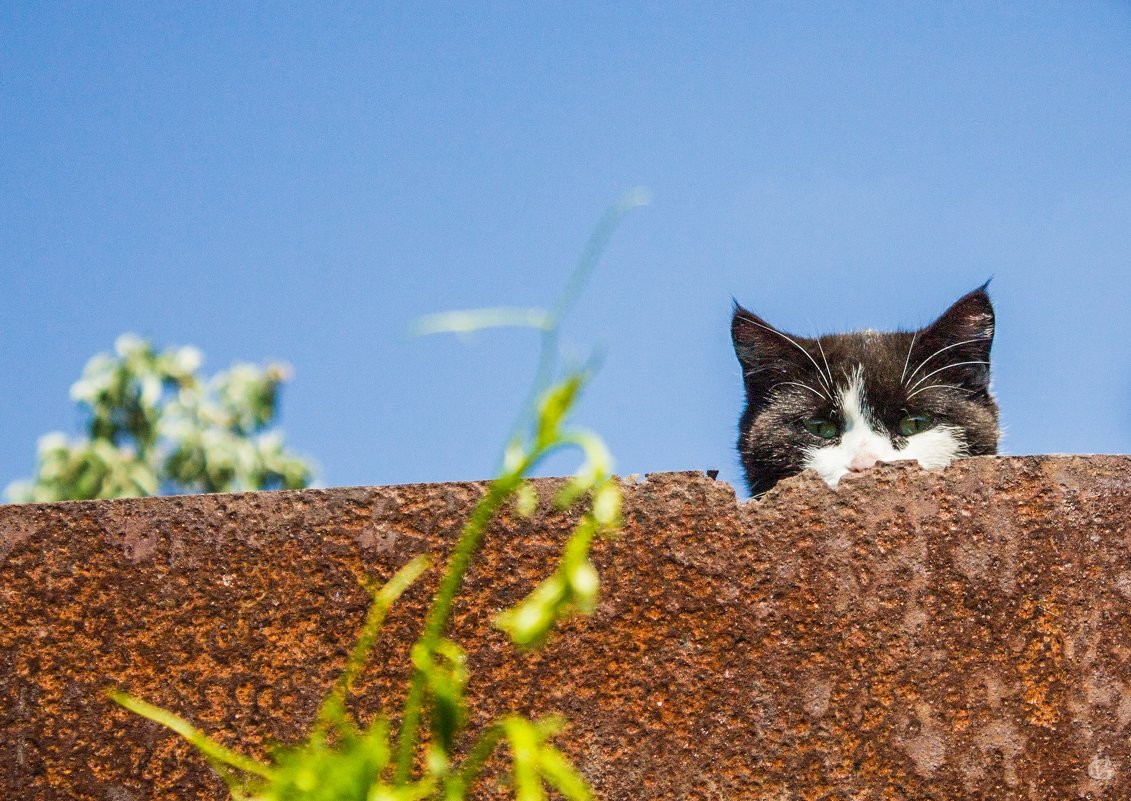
pixel 955 635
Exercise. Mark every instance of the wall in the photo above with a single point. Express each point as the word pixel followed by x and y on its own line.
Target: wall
pixel 914 635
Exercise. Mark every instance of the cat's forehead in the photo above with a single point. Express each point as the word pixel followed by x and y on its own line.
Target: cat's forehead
pixel 875 353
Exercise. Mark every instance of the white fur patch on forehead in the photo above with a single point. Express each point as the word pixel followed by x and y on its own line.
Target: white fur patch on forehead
pixel 864 441
pixel 853 405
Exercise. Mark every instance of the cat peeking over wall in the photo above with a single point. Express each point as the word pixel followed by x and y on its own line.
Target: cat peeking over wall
pixel 840 403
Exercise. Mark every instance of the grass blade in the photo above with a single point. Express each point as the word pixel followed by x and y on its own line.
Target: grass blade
pixel 198 739
pixel 333 708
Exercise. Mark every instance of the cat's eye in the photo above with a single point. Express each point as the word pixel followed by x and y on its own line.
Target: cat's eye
pixel 915 424
pixel 820 427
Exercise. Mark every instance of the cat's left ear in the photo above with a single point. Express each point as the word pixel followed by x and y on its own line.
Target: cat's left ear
pixel 960 341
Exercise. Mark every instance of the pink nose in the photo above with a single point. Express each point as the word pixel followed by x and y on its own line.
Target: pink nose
pixel 862 461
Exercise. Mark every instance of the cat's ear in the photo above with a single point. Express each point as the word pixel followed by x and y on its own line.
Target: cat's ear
pixel 957 344
pixel 756 342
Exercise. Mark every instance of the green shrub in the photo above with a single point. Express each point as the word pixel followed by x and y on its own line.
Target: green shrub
pixel 155 425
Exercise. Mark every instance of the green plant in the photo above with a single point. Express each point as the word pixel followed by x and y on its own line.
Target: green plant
pixel 156 426
pixel 343 761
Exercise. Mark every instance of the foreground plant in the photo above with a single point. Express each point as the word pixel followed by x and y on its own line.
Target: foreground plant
pixel 342 761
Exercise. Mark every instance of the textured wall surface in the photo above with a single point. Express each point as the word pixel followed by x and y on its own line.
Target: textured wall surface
pixel 914 635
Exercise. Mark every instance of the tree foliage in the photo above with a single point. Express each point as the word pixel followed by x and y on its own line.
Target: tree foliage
pixel 155 426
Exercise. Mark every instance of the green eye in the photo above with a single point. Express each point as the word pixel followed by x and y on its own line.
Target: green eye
pixel 820 427
pixel 915 424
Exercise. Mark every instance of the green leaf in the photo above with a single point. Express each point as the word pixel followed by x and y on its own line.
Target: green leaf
pixel 202 742
pixel 524 742
pixel 531 619
pixel 572 491
pixel 554 405
pixel 561 775
pixel 466 322
pixel 526 500
pixel 584 585
pixel 444 667
pixel 533 760
pixel 332 713
pixel 606 504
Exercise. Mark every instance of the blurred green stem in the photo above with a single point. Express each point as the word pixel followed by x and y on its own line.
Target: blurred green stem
pixel 501 488
pixel 551 323
pixel 332 713
pixel 473 764
pixel 211 749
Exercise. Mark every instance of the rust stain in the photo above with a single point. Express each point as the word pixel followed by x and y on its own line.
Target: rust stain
pixel 1041 662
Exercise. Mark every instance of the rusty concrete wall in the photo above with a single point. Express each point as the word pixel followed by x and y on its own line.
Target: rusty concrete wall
pixel 955 635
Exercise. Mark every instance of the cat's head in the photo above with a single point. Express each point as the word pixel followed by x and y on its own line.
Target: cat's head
pixel 843 402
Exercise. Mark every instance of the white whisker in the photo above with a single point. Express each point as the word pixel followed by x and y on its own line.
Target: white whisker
pixel 923 363
pixel 907 359
pixel 790 341
pixel 940 386
pixel 828 372
pixel 945 367
pixel 799 384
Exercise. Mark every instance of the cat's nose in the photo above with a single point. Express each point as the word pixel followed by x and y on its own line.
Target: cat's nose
pixel 862 461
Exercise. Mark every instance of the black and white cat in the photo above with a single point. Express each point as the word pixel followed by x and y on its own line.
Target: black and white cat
pixel 843 402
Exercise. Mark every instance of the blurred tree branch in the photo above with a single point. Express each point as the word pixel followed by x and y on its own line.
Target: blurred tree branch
pixel 156 426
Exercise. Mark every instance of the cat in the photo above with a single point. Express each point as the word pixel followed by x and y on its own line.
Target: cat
pixel 840 403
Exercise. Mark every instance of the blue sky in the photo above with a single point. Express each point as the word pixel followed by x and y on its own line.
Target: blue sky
pixel 301 181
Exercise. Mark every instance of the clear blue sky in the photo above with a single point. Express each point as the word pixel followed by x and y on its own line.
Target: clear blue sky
pixel 301 181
